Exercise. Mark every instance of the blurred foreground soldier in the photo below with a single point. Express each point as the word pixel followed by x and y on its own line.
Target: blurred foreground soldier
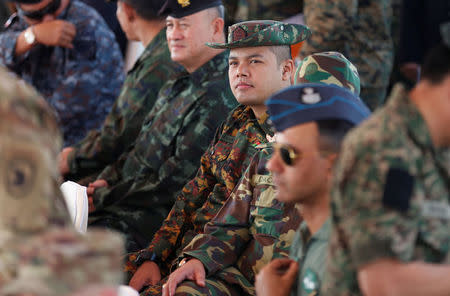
pixel 135 193
pixel 259 65
pixel 41 254
pixel 66 51
pixel 391 195
pixel 311 121
pixel 140 21
pixel 361 31
pixel 253 227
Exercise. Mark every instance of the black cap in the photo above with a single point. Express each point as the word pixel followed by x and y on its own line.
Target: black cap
pixel 182 8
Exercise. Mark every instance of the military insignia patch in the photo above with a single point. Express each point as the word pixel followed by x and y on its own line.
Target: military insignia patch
pixel 310 97
pixel 184 3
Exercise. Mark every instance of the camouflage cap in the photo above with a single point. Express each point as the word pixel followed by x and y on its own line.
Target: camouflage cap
pixel 329 68
pixel 30 141
pixel 312 102
pixel 182 8
pixel 263 33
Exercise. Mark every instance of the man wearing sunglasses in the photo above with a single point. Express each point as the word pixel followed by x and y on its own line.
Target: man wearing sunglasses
pixel 66 51
pixel 253 227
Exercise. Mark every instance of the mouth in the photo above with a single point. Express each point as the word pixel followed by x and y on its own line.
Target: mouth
pixel 243 86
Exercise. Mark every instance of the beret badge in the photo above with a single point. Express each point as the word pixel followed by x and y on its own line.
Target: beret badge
pixel 184 3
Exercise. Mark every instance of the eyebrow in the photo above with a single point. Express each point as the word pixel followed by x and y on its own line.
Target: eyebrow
pixel 256 55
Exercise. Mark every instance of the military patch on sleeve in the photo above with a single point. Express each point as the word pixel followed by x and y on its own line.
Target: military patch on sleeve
pixel 398 189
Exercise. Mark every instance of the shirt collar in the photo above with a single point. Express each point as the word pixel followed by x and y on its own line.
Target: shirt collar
pixel 211 69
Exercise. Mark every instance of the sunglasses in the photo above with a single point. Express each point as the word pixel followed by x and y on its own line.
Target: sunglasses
pixel 287 153
pixel 51 8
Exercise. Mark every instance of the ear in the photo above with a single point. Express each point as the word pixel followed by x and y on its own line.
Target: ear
pixel 129 11
pixel 217 26
pixel 287 70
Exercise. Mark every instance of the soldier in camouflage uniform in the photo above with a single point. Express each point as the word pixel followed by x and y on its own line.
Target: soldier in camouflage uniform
pixel 361 30
pixel 67 52
pixel 391 195
pixel 143 183
pixel 138 95
pixel 253 227
pixel 41 253
pixel 260 64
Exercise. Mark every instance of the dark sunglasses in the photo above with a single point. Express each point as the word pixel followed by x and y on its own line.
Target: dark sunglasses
pixel 51 8
pixel 287 153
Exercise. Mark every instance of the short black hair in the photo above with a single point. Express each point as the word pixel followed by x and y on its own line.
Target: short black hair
pixel 437 64
pixel 144 10
pixel 282 52
pixel 332 132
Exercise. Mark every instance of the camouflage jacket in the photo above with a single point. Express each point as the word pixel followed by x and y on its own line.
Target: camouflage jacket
pixel 221 167
pixel 277 10
pixel 80 83
pixel 250 230
pixel 167 150
pixel 361 31
pixel 391 196
pixel 123 123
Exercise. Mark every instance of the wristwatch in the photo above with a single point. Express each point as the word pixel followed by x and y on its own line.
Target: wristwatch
pixel 184 261
pixel 30 38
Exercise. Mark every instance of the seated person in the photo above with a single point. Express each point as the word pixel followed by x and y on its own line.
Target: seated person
pixel 140 21
pixel 67 52
pixel 41 252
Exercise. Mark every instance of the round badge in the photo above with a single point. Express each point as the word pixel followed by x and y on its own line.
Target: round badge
pixel 20 176
pixel 311 282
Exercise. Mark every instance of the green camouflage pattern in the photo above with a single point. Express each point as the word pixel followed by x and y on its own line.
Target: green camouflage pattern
pixel 123 123
pixel 59 261
pixel 144 182
pixel 41 253
pixel 329 68
pixel 364 229
pixel 248 10
pixel 263 33
pixel 361 31
pixel 250 230
pixel 221 167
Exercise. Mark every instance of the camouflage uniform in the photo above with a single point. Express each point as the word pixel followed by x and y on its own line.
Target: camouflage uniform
pixel 144 181
pixel 278 10
pixel 250 230
pixel 80 83
pixel 40 251
pixel 391 162
pixel 361 31
pixel 123 123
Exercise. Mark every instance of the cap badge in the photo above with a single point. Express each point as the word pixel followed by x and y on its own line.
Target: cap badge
pixel 184 3
pixel 310 97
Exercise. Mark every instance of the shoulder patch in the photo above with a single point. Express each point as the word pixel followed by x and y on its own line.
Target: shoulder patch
pixel 398 189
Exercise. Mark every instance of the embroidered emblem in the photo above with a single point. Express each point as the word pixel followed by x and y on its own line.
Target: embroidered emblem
pixel 184 3
pixel 310 97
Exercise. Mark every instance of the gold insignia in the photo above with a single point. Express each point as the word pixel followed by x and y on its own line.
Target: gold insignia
pixel 184 3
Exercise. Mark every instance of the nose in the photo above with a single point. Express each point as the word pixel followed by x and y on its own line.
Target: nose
pixel 274 164
pixel 174 33
pixel 242 70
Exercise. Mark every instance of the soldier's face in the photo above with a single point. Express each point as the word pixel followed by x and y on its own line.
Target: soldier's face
pixel 307 176
pixel 255 74
pixel 44 11
pixel 187 36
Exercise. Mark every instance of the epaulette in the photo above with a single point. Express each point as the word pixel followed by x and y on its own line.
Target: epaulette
pixel 11 20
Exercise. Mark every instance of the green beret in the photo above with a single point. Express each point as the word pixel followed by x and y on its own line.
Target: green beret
pixel 329 68
pixel 263 33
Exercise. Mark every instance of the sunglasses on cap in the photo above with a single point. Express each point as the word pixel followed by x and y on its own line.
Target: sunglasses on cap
pixel 39 14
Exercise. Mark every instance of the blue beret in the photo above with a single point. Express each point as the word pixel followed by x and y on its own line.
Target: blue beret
pixel 312 102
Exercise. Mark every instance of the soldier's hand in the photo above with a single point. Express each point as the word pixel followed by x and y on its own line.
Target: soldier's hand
pixel 147 274
pixel 94 185
pixel 193 270
pixel 55 33
pixel 276 278
pixel 63 163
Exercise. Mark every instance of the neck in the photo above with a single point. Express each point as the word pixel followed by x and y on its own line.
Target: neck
pixel 428 99
pixel 315 214
pixel 146 31
pixel 208 55
pixel 259 110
